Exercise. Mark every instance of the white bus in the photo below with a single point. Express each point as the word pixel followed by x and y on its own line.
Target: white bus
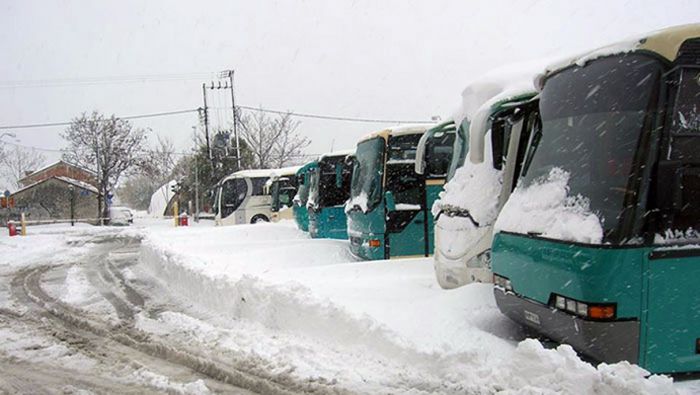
pixel 241 199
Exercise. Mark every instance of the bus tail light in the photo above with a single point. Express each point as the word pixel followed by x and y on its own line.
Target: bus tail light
pixel 585 310
pixel 374 243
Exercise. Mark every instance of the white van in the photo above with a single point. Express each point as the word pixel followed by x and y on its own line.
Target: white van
pixel 241 198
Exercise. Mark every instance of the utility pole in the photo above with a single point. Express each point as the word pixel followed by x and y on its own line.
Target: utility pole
pixel 206 120
pixel 227 85
pixel 72 205
pixel 196 176
pixel 100 181
pixel 229 74
pixel 196 190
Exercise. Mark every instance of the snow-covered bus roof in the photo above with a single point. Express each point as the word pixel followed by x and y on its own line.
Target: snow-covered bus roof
pixel 253 173
pixel 285 171
pixel 494 85
pixel 664 42
pixel 399 130
pixel 344 152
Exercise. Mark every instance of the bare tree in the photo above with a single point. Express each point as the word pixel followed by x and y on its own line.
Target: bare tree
pixel 273 142
pixel 17 162
pixel 136 191
pixel 109 145
pixel 161 162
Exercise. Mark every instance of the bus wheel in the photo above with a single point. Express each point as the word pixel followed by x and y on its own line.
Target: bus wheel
pixel 259 218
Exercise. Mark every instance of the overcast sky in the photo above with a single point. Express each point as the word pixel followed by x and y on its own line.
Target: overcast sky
pixel 371 59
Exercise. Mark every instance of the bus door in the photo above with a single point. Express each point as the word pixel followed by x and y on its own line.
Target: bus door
pixel 673 314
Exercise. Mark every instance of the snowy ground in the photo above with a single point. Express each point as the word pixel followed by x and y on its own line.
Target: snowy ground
pixel 284 309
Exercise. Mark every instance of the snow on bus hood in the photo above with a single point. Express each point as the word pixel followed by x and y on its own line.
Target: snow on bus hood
pixel 475 188
pixel 545 208
pixel 361 201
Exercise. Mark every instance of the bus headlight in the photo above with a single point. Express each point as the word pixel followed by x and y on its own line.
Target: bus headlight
pixel 502 283
pixel 592 311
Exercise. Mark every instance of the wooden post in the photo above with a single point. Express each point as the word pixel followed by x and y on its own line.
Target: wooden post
pixel 23 222
pixel 175 212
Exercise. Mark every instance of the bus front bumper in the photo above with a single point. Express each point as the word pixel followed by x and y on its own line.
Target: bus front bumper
pixel 360 246
pixel 603 341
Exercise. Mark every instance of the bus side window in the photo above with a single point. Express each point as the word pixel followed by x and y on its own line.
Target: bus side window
pixel 686 118
pixel 439 154
pixel 685 155
pixel 258 186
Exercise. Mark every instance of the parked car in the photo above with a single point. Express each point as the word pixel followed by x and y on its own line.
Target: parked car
pixel 120 216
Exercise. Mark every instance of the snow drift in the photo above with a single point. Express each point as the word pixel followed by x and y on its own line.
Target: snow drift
pixel 371 327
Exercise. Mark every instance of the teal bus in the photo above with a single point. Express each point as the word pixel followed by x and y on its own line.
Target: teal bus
pixel 389 209
pixel 612 269
pixel 464 224
pixel 329 189
pixel 301 213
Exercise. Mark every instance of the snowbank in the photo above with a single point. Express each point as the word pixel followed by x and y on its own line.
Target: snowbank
pixel 546 208
pixel 160 199
pixel 374 327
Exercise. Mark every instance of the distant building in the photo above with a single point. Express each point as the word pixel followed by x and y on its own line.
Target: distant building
pixel 59 169
pixel 46 194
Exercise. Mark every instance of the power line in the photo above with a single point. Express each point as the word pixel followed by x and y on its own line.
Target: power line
pixel 329 117
pixel 59 82
pixel 249 108
pixel 140 116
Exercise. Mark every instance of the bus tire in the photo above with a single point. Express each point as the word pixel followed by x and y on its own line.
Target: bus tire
pixel 259 218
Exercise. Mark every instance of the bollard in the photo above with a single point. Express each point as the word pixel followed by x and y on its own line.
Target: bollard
pixel 23 223
pixel 176 217
pixel 12 228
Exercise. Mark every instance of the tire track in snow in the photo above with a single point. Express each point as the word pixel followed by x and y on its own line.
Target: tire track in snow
pixel 26 288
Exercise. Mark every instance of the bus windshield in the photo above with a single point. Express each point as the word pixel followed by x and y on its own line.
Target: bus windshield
pixel 593 122
pixel 368 171
pixel 233 192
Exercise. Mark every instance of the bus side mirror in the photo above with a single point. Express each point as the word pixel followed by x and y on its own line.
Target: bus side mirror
pixel 389 201
pixel 350 160
pixel 420 153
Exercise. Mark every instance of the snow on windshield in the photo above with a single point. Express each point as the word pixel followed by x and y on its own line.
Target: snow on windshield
pixel 546 209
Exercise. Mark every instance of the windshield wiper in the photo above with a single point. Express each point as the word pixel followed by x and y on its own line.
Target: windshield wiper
pixel 452 211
